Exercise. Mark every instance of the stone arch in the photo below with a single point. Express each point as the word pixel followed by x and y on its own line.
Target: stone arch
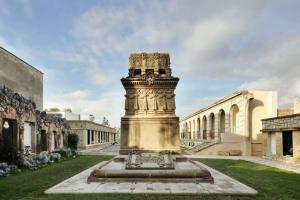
pixel 221 121
pixel 189 130
pixel 212 125
pixel 234 110
pixel 204 125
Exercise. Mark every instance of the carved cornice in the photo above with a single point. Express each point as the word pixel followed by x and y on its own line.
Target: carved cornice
pixel 143 82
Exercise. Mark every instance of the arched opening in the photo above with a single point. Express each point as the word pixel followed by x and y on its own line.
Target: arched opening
pixel 234 110
pixel 198 128
pixel 204 124
pixel 137 72
pixel 190 132
pixel 212 125
pixel 221 121
pixel 194 129
pixel 185 130
pixel 162 72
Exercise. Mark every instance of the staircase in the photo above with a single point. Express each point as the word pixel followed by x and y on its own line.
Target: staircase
pixel 201 146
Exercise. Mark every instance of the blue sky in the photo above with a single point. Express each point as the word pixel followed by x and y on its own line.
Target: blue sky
pixel 216 47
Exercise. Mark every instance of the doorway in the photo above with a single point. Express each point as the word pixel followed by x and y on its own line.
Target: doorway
pixel 27 135
pixel 287 143
pixel 8 144
pixel 44 140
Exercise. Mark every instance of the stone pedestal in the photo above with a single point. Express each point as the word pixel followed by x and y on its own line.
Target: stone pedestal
pixel 147 167
pixel 150 134
pixel 150 123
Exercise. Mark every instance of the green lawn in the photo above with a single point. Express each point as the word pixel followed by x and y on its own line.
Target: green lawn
pixel 271 183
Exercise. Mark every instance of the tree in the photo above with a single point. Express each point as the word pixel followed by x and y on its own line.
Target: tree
pixel 68 110
pixel 54 109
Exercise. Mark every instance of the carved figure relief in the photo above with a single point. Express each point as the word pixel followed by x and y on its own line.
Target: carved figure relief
pixel 144 100
pixel 154 99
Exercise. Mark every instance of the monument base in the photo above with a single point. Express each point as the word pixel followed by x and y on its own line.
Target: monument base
pixel 147 167
pixel 149 134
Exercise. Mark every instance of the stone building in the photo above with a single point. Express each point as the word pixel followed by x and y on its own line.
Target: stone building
pixel 282 135
pixel 21 77
pixel 92 134
pixel 21 99
pixel 52 131
pixel 230 125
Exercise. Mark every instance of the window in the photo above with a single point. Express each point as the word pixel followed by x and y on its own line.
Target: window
pixel 88 137
pixel 137 72
pixel 162 72
pixel 92 132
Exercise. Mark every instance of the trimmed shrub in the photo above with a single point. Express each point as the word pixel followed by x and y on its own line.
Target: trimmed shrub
pixel 6 169
pixel 65 153
pixel 34 161
pixel 72 141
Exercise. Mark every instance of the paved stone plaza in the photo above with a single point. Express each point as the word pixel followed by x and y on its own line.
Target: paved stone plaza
pixel 222 185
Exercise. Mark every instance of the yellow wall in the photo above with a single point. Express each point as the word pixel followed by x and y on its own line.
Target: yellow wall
pixel 296 145
pixel 264 105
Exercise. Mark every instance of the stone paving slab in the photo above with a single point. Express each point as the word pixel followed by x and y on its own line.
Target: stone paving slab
pixel 223 185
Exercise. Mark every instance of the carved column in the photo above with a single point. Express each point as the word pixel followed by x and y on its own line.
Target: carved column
pixel 208 127
pixel 227 122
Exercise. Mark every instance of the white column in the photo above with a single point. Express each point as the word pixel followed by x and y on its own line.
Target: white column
pixel 217 122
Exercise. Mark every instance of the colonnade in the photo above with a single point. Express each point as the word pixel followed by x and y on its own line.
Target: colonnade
pixel 99 137
pixel 209 125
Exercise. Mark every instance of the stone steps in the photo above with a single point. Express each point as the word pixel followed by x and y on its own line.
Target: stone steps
pixel 201 147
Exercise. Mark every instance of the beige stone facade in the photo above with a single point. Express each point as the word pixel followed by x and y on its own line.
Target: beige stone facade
pixel 233 123
pixel 92 134
pixel 52 132
pixel 150 123
pixel 21 77
pixel 282 137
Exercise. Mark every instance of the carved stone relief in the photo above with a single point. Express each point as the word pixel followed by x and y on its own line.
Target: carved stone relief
pixel 144 100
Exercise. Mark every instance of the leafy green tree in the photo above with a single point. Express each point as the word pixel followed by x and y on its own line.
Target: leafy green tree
pixel 54 109
pixel 68 110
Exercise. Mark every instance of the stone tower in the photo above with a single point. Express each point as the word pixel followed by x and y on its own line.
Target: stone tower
pixel 150 123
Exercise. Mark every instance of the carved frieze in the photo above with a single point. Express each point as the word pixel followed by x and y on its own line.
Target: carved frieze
pixel 145 100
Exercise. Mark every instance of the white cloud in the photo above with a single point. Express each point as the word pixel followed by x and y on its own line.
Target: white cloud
pixel 278 69
pixel 79 94
pixel 85 63
pixel 204 39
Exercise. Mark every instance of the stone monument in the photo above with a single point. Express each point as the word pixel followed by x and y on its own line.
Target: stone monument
pixel 150 145
pixel 150 123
